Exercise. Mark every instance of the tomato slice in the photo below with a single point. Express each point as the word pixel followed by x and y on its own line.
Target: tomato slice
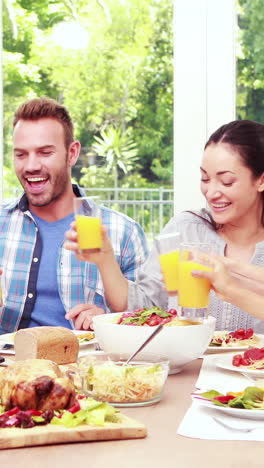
pixel 237 360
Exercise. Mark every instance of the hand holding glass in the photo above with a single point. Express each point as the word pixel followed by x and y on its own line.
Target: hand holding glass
pixel 193 292
pixel 168 246
pixel 88 224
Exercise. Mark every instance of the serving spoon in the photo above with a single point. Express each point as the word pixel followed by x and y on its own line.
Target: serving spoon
pixel 150 337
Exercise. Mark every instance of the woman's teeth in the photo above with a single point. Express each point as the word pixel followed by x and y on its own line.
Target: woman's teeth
pixel 220 205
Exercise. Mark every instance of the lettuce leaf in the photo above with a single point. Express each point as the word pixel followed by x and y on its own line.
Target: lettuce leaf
pixel 92 412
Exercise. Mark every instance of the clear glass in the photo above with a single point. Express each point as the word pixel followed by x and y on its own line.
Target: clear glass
pixel 88 223
pixel 1 291
pixel 168 246
pixel 193 293
pixel 107 377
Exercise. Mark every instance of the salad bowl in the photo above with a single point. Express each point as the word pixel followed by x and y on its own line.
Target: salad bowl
pixel 179 344
pixel 108 377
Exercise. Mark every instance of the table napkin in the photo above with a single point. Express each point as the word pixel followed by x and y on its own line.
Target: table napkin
pixel 213 377
pixel 198 421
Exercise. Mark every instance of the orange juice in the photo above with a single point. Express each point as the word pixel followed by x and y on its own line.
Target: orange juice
pixel 193 292
pixel 89 232
pixel 169 263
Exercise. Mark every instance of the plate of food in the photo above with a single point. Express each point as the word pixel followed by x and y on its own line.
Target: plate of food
pixel 238 340
pixel 250 362
pixel 65 415
pixel 86 338
pixel 247 404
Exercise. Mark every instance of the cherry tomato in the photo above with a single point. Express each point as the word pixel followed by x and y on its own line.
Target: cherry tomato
pixel 237 360
pixel 154 320
pixel 173 312
pixel 254 354
pixel 167 320
pixel 249 332
pixel 245 361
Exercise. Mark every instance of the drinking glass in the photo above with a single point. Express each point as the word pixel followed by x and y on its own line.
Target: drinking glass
pixel 193 293
pixel 88 223
pixel 2 291
pixel 168 246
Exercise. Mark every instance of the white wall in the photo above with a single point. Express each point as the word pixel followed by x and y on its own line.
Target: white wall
pixel 204 87
pixel 1 109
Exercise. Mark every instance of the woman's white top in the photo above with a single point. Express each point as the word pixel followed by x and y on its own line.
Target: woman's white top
pixel 149 290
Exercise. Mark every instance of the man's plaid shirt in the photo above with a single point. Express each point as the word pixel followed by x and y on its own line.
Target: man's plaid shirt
pixel 78 282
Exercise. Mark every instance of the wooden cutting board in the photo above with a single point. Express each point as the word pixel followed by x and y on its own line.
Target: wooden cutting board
pixel 46 435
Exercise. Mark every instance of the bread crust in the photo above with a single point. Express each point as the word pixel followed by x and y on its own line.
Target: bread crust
pixel 58 344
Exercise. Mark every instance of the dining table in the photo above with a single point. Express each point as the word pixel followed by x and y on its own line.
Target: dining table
pixel 161 447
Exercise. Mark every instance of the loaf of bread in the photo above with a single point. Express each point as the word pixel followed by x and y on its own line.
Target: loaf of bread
pixel 57 344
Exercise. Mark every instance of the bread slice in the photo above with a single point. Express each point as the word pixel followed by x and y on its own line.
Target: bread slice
pixel 58 344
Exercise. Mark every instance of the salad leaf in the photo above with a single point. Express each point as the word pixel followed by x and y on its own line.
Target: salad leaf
pixel 142 316
pixel 252 398
pixel 210 394
pixel 92 412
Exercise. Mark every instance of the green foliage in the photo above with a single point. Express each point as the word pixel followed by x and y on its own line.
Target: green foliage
pixel 12 187
pixel 119 150
pixel 96 177
pixel 250 64
pixel 122 79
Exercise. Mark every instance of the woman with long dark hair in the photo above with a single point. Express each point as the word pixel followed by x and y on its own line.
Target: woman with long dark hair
pixel 232 182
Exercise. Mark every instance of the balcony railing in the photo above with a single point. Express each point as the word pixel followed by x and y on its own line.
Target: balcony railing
pixel 151 208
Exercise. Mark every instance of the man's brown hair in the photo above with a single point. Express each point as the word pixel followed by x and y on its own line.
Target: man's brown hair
pixel 46 108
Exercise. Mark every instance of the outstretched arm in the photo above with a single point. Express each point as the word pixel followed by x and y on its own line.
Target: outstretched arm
pixel 250 276
pixel 229 289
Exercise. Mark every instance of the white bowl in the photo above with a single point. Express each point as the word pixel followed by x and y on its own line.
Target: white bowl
pixel 179 344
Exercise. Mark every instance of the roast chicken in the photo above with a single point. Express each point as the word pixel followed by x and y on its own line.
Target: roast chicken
pixel 35 384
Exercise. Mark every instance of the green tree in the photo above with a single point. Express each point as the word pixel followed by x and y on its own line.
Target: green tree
pixel 250 61
pixel 122 79
pixel 119 150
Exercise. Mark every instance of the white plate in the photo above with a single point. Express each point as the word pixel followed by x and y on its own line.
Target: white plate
pixel 224 349
pixel 225 362
pixel 235 412
pixel 84 344
pixel 7 338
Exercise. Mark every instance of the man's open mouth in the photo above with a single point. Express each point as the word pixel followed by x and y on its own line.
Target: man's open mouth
pixel 36 184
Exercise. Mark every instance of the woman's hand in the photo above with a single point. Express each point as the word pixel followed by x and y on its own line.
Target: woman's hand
pixel 219 277
pixel 82 315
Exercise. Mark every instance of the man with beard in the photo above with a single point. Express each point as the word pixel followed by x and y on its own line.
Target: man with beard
pixel 43 283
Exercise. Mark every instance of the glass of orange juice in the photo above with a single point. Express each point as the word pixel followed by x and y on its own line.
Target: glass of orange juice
pixel 193 293
pixel 88 223
pixel 168 247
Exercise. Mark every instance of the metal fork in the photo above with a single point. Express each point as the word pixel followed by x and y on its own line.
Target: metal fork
pixel 234 428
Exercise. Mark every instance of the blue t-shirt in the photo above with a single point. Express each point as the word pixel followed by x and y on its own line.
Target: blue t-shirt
pixel 48 308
